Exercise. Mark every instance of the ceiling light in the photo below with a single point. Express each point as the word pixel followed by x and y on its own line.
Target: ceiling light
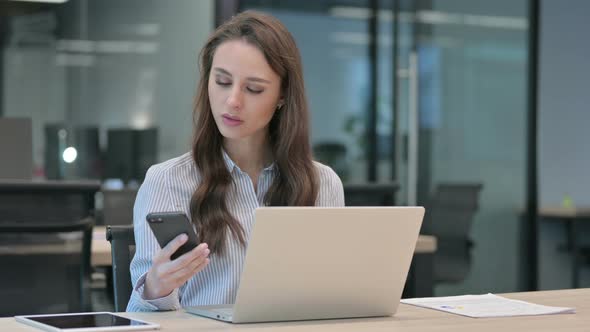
pixel 46 1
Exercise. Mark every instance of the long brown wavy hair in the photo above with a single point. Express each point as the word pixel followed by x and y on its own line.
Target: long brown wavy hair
pixel 295 182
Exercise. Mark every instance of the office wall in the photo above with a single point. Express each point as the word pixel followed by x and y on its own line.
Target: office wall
pixel 481 133
pixel 564 155
pixel 140 69
pixel 467 145
pixel 564 117
pixel 35 88
pixel 336 78
pixel 154 84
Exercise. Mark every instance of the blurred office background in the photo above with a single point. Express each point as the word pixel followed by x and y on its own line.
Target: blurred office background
pixel 420 93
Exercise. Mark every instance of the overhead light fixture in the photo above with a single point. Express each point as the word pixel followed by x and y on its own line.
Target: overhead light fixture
pixel 70 154
pixel 434 17
pixel 45 1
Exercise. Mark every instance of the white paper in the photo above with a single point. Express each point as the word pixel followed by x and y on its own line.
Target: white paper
pixel 488 305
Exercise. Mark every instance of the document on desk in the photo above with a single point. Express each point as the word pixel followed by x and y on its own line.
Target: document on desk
pixel 487 305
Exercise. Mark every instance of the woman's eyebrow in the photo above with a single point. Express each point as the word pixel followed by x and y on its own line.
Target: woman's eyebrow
pixel 253 79
pixel 222 71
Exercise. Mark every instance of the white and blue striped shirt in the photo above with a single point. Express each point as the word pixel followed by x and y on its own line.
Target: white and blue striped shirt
pixel 168 187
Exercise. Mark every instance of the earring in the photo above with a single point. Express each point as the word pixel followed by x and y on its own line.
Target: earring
pixel 279 106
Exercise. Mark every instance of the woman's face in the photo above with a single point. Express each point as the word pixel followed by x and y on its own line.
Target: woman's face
pixel 243 90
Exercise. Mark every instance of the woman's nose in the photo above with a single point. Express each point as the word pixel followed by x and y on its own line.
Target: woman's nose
pixel 234 100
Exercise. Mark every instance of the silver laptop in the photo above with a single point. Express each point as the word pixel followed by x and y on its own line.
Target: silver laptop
pixel 319 263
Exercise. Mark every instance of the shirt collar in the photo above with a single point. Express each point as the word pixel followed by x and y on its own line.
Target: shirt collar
pixel 231 165
pixel 228 162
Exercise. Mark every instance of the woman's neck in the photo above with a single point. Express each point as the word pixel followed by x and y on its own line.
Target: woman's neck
pixel 251 157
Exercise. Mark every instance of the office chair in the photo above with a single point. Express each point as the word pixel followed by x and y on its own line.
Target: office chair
pixel 118 206
pixel 449 216
pixel 122 250
pixel 370 194
pixel 45 267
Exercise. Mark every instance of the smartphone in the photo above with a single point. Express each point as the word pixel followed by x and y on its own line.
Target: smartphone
pixel 168 225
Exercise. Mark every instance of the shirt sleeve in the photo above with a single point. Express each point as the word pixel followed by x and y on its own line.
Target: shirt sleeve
pixel 331 190
pixel 153 196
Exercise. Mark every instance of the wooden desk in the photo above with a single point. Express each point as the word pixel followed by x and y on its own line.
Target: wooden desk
pixel 101 248
pixel 420 279
pixel 408 318
pixel 572 217
pixel 426 244
pixel 561 212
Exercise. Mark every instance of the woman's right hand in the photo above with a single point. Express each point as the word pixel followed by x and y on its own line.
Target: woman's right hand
pixel 165 275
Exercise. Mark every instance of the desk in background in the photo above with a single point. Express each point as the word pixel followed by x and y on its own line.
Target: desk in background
pixel 46 201
pixel 420 280
pixel 101 248
pixel 572 218
pixel 407 318
pixel 39 204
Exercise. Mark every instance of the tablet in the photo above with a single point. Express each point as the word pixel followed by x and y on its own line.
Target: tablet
pixel 86 322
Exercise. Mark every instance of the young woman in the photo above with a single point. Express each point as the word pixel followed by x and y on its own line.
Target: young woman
pixel 251 148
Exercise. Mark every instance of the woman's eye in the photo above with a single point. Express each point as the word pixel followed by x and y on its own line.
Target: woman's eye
pixel 255 91
pixel 223 83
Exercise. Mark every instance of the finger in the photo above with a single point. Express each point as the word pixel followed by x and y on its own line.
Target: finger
pixel 196 264
pixel 199 252
pixel 172 279
pixel 202 250
pixel 188 270
pixel 173 245
pixel 185 274
pixel 200 267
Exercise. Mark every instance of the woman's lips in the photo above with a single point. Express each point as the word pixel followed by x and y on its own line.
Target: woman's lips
pixel 231 121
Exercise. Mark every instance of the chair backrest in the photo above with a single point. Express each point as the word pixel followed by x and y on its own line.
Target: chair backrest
pixel 118 206
pixel 122 251
pixel 45 267
pixel 451 209
pixel 370 194
pixel 449 216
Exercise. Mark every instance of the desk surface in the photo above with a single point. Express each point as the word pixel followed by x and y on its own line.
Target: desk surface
pixel 408 318
pixel 62 186
pixel 101 248
pixel 563 212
